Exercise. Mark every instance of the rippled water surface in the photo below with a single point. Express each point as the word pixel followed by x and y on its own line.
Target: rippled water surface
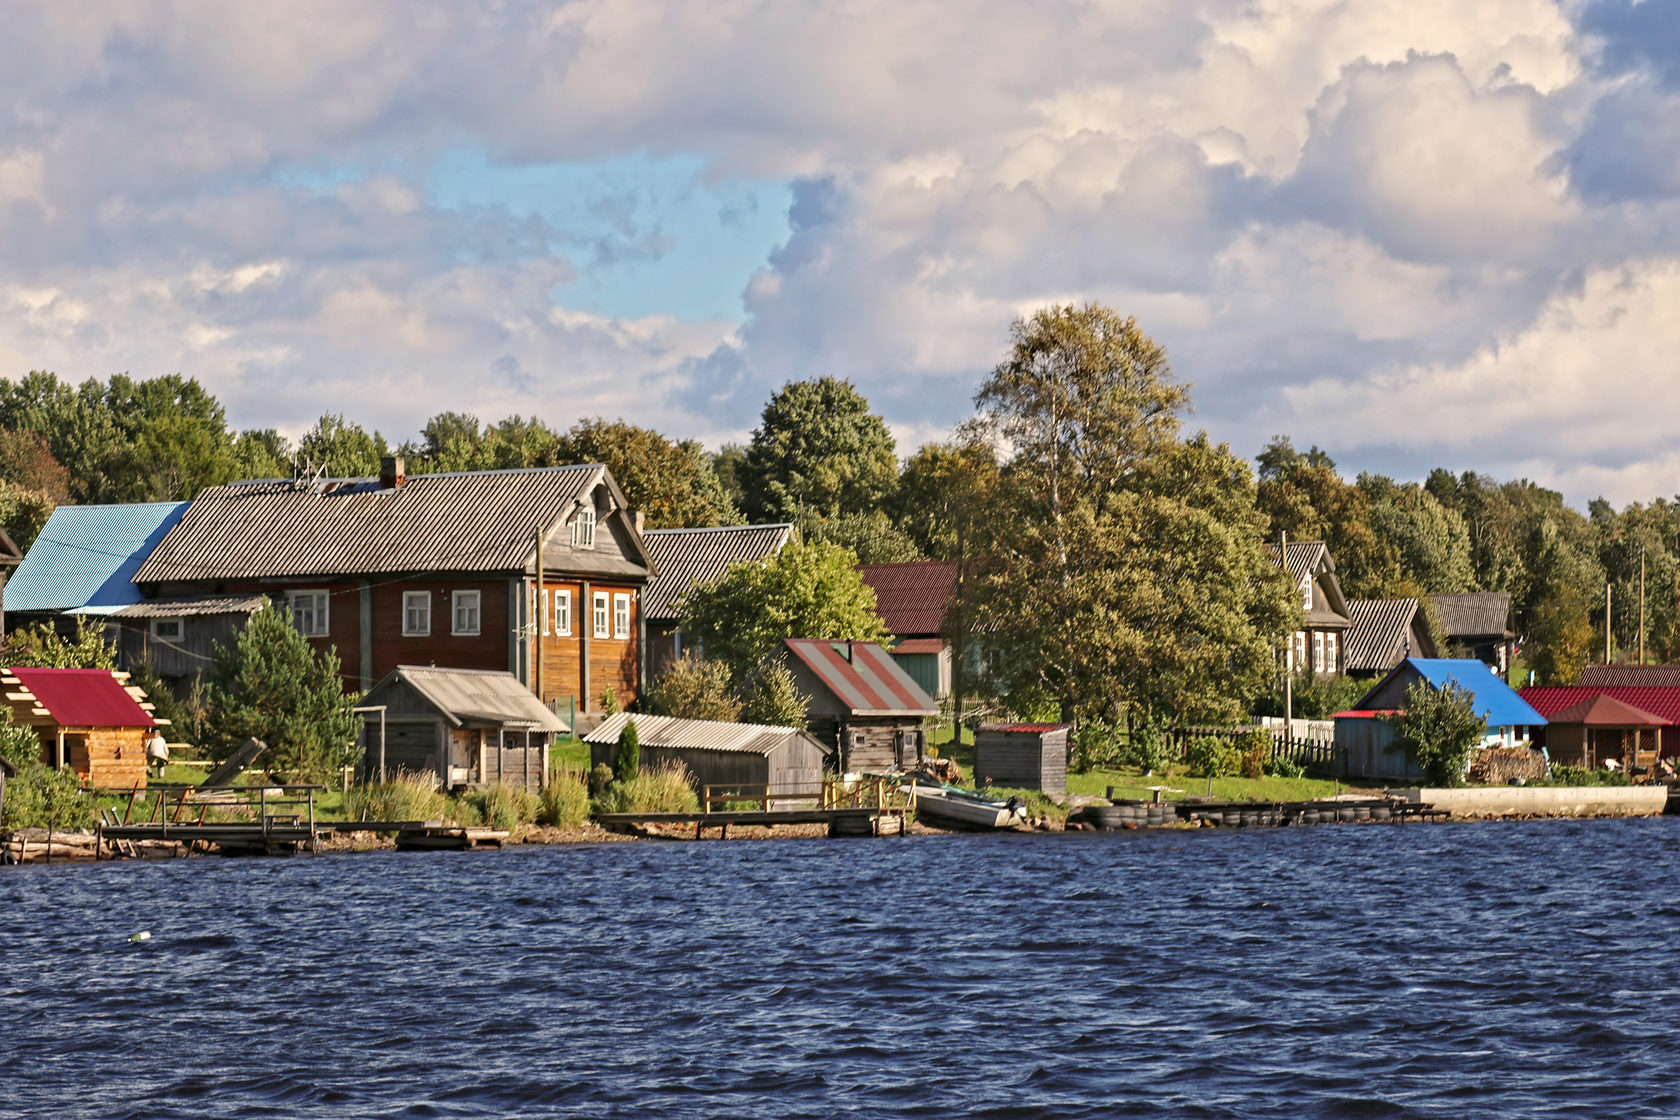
pixel 1455 970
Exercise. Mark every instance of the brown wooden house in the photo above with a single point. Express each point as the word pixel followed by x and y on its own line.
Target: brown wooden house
pixel 861 704
pixel 534 572
pixel 88 720
pixel 686 558
pixel 1318 647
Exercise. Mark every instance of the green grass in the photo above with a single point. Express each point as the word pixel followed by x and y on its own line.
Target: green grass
pixel 570 754
pixel 1130 785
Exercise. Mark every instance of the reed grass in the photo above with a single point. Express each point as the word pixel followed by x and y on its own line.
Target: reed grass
pixel 565 803
pixel 666 788
pixel 406 797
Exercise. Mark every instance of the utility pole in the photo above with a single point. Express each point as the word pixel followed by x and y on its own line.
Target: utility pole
pixel 1607 624
pixel 1288 649
pixel 539 610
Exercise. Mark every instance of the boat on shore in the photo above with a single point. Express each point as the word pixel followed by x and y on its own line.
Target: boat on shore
pixel 949 807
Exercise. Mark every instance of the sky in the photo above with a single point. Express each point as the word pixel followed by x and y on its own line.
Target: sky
pixel 1416 233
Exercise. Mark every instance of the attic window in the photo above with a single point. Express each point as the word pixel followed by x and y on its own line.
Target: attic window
pixel 1306 593
pixel 583 528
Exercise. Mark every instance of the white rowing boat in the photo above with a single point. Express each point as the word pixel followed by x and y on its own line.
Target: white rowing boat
pixel 948 808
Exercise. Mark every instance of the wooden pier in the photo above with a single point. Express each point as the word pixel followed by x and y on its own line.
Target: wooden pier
pixel 871 808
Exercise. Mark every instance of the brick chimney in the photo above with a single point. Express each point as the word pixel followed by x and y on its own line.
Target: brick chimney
pixel 391 472
pixel 636 517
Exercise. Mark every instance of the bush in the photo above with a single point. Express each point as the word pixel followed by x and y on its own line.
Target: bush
pixel 1097 745
pixel 694 688
pixel 406 797
pixel 600 778
pixel 1439 729
pixel 41 797
pixel 627 759
pixel 773 697
pixel 1149 748
pixel 1583 776
pixel 1255 748
pixel 1213 757
pixel 502 806
pixel 565 803
pixel 666 788
pixel 19 745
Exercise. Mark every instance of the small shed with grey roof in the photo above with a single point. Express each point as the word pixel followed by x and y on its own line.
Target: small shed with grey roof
pixel 1384 632
pixel 1022 755
pixel 783 763
pixel 464 727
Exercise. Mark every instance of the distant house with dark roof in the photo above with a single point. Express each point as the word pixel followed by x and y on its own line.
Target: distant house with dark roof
pixel 1382 633
pixel 88 720
pixel 911 599
pixel 1479 624
pixel 861 704
pixel 534 572
pixel 1317 648
pixel 686 558
pixel 1630 676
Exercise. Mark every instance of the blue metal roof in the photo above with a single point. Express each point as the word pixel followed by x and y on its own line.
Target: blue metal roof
pixel 1495 701
pixel 86 556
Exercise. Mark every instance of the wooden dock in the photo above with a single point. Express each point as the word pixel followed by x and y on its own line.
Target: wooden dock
pixel 870 808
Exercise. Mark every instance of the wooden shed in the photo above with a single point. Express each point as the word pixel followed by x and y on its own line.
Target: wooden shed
pixel 1022 755
pixel 861 703
pixel 749 756
pixel 1602 727
pixel 89 720
pixel 464 727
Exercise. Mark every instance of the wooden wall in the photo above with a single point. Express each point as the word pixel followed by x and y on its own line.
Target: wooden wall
pixel 1022 759
pixel 871 745
pixel 102 756
pixel 612 661
pixel 177 660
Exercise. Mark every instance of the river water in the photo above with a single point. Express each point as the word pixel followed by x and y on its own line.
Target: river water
pixel 1522 969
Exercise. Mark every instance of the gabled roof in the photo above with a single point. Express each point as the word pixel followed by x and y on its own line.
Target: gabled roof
pixel 863 677
pixel 1493 699
pixel 1549 700
pixel 474 696
pixel 686 558
pixel 697 734
pixel 86 556
pixel 1379 634
pixel 911 598
pixel 1474 614
pixel 82 697
pixel 1607 711
pixel 1631 676
pixel 476 521
pixel 1311 559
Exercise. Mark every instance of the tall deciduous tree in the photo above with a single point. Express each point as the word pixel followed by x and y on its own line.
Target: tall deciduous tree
pixel 671 483
pixel 804 591
pixel 1126 567
pixel 817 448
pixel 345 448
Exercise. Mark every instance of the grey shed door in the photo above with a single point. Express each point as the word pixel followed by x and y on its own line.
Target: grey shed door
pixel 411 746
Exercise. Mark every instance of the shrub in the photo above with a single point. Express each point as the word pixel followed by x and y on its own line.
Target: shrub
pixel 502 806
pixel 1583 776
pixel 406 797
pixel 1097 745
pixel 1439 728
pixel 694 688
pixel 1149 748
pixel 774 698
pixel 600 777
pixel 1254 748
pixel 19 745
pixel 661 789
pixel 1213 757
pixel 41 797
pixel 565 803
pixel 627 760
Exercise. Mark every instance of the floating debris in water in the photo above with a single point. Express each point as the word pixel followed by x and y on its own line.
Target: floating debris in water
pixel 143 935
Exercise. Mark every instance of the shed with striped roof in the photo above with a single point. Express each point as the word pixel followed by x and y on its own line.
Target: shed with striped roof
pixel 860 702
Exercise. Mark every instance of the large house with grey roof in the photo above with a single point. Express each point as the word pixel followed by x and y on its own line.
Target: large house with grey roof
pixel 685 559
pixel 1318 647
pixel 537 572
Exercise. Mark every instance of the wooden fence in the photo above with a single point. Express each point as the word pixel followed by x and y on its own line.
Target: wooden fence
pixel 1316 754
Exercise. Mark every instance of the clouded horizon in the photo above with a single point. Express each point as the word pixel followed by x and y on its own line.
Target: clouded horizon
pixel 1416 233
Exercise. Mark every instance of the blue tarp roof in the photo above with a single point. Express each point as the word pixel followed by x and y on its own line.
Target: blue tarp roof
pixel 86 556
pixel 1495 700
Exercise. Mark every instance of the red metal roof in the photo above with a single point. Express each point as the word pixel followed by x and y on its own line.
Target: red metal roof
pixel 1607 711
pixel 920 645
pixel 1025 728
pixel 84 697
pixel 911 597
pixel 1366 713
pixel 1549 700
pixel 863 677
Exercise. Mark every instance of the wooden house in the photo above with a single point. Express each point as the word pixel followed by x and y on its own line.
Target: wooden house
pixel 465 727
pixel 1659 702
pixel 783 763
pixel 88 720
pixel 1382 633
pixel 1478 624
pixel 538 573
pixel 911 599
pixel 1601 727
pixel 860 703
pixel 684 559
pixel 1022 755
pixel 1317 648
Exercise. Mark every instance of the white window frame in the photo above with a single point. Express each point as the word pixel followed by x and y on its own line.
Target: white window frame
pixel 621 615
pixel 603 614
pixel 458 601
pixel 1307 593
pixel 424 601
pixel 1330 644
pixel 563 614
pixel 320 608
pixel 158 624
pixel 583 528
pixel 1318 651
pixel 1299 652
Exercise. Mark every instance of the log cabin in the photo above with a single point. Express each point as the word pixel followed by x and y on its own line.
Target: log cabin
pixel 686 559
pixel 1317 648
pixel 537 572
pixel 88 720
pixel 865 708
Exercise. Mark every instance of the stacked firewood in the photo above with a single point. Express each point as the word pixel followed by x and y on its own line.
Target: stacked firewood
pixel 1503 765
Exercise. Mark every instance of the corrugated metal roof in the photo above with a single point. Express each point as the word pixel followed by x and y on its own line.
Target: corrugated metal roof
pixel 86 557
pixel 474 696
pixel 911 598
pixel 1025 728
pixel 1550 699
pixel 194 606
pixel 1493 699
pixel 1474 614
pixel 695 734
pixel 83 697
pixel 919 645
pixel 1378 633
pixel 863 677
pixel 1302 559
pixel 1631 676
pixel 1603 710
pixel 478 521
pixel 686 558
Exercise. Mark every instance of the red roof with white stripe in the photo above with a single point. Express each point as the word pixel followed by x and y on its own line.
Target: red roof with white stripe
pixel 863 677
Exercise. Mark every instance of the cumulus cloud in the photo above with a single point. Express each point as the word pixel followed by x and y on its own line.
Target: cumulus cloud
pixel 1315 205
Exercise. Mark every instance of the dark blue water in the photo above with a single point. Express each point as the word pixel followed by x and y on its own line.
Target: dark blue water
pixel 1457 970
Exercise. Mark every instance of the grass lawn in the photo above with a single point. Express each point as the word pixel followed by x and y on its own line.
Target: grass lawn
pixel 1131 785
pixel 569 754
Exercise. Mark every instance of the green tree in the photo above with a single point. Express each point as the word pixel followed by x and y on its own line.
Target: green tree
pixel 1565 587
pixel 1439 728
pixel 27 463
pixel 627 759
pixel 694 688
pixel 772 697
pixel 455 441
pixel 1303 496
pixel 671 483
pixel 945 494
pixel 517 442
pixel 24 513
pixel 344 448
pixel 19 745
pixel 804 591
pixel 727 463
pixel 273 686
pixel 1431 540
pixel 41 797
pixel 43 646
pixel 262 453
pixel 818 448
pixel 871 537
